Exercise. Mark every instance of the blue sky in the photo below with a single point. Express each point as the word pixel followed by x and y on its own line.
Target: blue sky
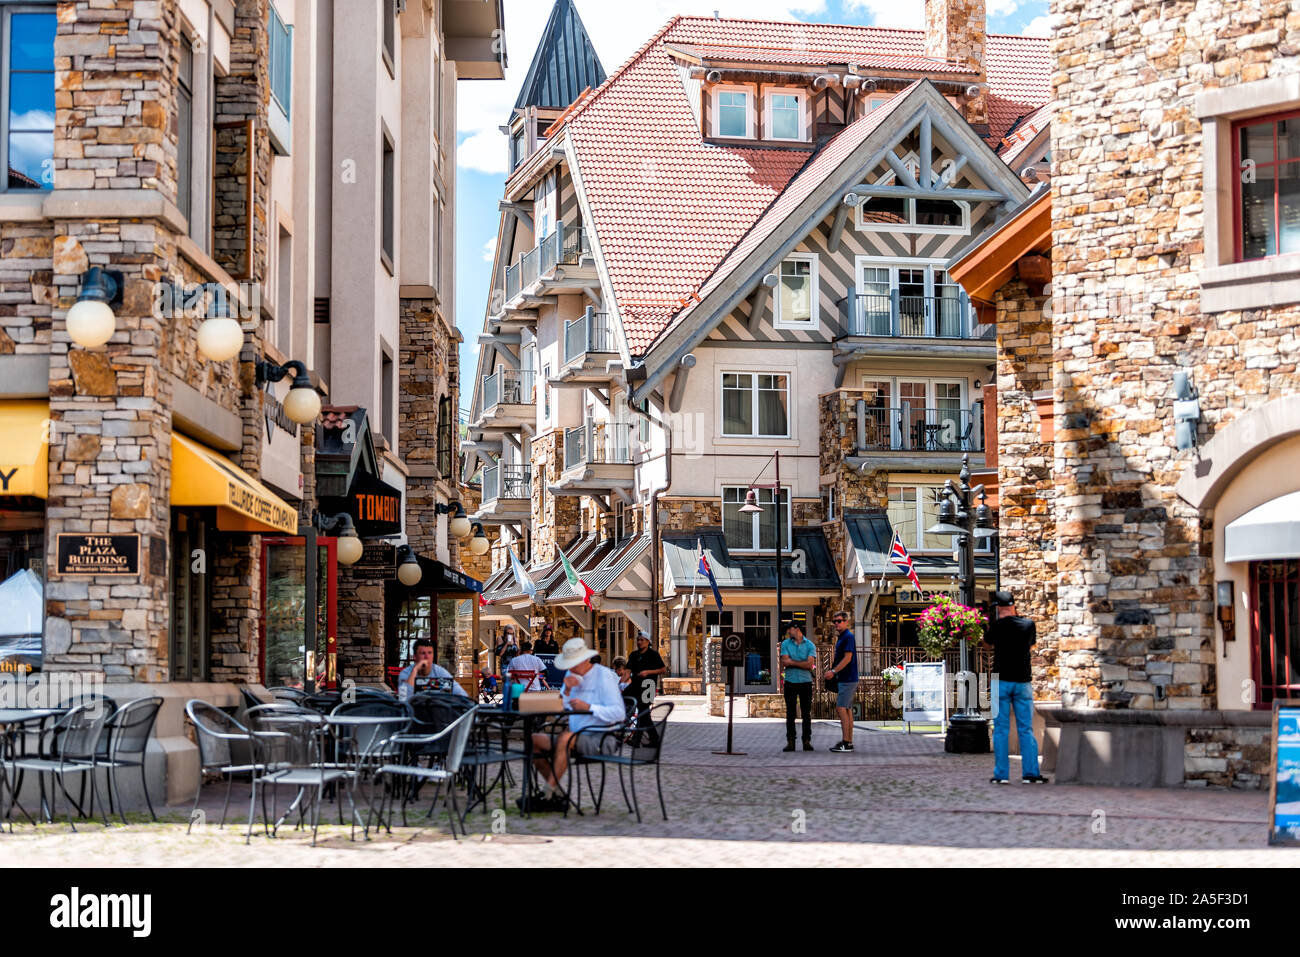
pixel 617 30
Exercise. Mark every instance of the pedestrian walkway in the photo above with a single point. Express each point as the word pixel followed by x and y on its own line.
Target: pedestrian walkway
pixel 897 800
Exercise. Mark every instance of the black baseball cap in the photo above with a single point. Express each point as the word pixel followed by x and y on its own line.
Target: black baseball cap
pixel 1003 599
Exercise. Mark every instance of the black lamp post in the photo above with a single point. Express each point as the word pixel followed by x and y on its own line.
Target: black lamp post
pixel 968 732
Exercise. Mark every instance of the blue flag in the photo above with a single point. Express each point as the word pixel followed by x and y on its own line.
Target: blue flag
pixel 707 572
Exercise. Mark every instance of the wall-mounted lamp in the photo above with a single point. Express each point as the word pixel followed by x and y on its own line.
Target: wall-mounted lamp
pixel 91 321
pixel 349 544
pixel 1187 411
pixel 479 544
pixel 302 404
pixel 1224 593
pixel 220 338
pixel 459 525
pixel 408 566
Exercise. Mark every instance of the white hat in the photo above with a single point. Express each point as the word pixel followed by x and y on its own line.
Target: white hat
pixel 574 652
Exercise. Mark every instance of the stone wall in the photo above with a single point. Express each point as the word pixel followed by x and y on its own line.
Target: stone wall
pixel 556 518
pixel 1026 518
pixel 956 30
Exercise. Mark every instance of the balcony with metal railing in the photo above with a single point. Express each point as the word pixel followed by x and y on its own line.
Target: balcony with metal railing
pixel 507 494
pixel 561 262
pixel 506 400
pixel 589 343
pixel 597 458
pixel 914 325
pixel 874 436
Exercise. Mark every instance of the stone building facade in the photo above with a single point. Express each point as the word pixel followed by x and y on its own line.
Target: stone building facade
pixel 168 166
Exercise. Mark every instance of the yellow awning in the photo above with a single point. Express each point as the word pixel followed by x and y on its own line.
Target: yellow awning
pixel 25 450
pixel 202 477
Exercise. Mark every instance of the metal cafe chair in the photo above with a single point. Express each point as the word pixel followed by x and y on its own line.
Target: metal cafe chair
pixel 303 734
pixel 68 748
pixel 456 736
pixel 216 733
pixel 128 732
pixel 631 748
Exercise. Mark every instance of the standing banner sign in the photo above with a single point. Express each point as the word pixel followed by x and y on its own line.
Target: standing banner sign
pixel 1284 794
pixel 923 697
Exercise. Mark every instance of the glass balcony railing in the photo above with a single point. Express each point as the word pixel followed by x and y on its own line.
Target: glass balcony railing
pixel 913 317
pixel 507 387
pixel 915 429
pixel 591 332
pixel 506 481
pixel 595 443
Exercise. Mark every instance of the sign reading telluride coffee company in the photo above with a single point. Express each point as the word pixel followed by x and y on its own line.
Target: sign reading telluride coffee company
pixel 98 554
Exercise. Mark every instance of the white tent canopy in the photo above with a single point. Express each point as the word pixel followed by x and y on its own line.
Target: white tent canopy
pixel 1268 531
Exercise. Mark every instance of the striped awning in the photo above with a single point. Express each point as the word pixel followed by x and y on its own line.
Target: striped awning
pixel 606 568
pixel 543 574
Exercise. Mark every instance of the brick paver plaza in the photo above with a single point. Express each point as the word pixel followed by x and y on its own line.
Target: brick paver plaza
pixel 899 800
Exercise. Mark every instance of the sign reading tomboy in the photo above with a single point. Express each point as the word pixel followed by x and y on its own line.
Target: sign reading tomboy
pixel 375 506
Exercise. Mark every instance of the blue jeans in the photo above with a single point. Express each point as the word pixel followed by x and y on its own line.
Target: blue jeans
pixel 1017 695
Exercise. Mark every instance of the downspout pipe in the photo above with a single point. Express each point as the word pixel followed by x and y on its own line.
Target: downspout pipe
pixel 656 578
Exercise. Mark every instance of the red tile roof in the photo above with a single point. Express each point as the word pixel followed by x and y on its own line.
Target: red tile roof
pixel 668 207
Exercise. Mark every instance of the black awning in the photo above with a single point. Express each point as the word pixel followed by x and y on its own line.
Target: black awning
pixel 437 580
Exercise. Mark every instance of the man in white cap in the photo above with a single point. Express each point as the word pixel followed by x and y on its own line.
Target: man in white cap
pixel 591 692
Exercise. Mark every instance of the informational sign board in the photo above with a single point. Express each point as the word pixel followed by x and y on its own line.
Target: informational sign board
pixel 378 560
pixel 98 554
pixel 733 651
pixel 1284 795
pixel 923 687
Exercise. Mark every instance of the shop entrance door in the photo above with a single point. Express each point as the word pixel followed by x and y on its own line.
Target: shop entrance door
pixel 1275 629
pixel 286 661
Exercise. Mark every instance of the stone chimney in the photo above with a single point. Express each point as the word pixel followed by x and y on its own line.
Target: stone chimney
pixel 955 30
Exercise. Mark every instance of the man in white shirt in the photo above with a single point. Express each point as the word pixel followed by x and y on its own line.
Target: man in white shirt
pixel 527 661
pixel 421 674
pixel 591 692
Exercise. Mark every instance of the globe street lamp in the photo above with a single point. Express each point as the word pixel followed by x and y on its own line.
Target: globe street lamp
pixel 91 321
pixel 409 572
pixel 479 544
pixel 958 516
pixel 302 404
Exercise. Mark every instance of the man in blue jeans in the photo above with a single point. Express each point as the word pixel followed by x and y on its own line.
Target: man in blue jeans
pixel 1011 636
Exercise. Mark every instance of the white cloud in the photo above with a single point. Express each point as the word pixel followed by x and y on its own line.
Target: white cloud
pixel 1038 27
pixel 490 250
pixel 903 14
pixel 617 30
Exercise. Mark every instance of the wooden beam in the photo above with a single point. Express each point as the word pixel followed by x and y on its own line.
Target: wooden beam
pixel 925 150
pixel 510 357
pixel 903 192
pixel 837 227
pixel 601 396
pixel 903 173
pixel 679 381
pixel 759 300
pixel 957 166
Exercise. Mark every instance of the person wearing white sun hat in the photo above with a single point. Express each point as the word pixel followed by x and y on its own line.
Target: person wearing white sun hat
pixel 591 692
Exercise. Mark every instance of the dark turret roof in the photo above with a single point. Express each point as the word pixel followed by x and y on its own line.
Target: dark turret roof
pixel 565 63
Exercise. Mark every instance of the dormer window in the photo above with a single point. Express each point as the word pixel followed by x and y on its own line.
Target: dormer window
pixel 785 119
pixel 733 112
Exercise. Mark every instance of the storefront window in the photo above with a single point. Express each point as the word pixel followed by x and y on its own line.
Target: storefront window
pixel 285 598
pixel 22 586
pixel 189 599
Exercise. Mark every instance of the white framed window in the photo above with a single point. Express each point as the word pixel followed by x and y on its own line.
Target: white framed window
pixel 876 100
pixel 829 504
pixel 544 207
pixel 798 292
pixel 755 531
pixel 784 116
pixel 733 112
pixel 913 509
pixel 928 302
pixel 889 214
pixel 756 405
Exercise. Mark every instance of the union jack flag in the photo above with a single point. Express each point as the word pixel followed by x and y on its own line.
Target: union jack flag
pixel 898 555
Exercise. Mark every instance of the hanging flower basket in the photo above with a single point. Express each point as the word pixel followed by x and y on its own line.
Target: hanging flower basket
pixel 893 675
pixel 947 622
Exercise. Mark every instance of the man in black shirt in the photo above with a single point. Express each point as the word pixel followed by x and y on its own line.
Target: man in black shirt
pixel 1011 636
pixel 645 665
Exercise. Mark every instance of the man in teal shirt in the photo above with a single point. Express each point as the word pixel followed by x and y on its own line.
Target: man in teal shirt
pixel 799 658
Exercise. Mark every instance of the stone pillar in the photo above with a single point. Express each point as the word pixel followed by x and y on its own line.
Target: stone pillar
pixel 956 30
pixel 1026 515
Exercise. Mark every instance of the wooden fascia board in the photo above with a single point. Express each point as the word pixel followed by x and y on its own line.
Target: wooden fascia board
pixel 989 267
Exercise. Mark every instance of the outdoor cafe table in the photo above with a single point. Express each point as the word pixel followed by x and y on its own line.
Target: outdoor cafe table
pixel 12 719
pixel 530 720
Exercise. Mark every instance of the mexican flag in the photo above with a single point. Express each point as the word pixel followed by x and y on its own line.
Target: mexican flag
pixel 575 582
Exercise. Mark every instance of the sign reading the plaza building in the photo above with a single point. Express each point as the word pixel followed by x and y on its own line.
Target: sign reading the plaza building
pixel 378 560
pixel 98 555
pixel 923 691
pixel 375 506
pixel 1284 796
